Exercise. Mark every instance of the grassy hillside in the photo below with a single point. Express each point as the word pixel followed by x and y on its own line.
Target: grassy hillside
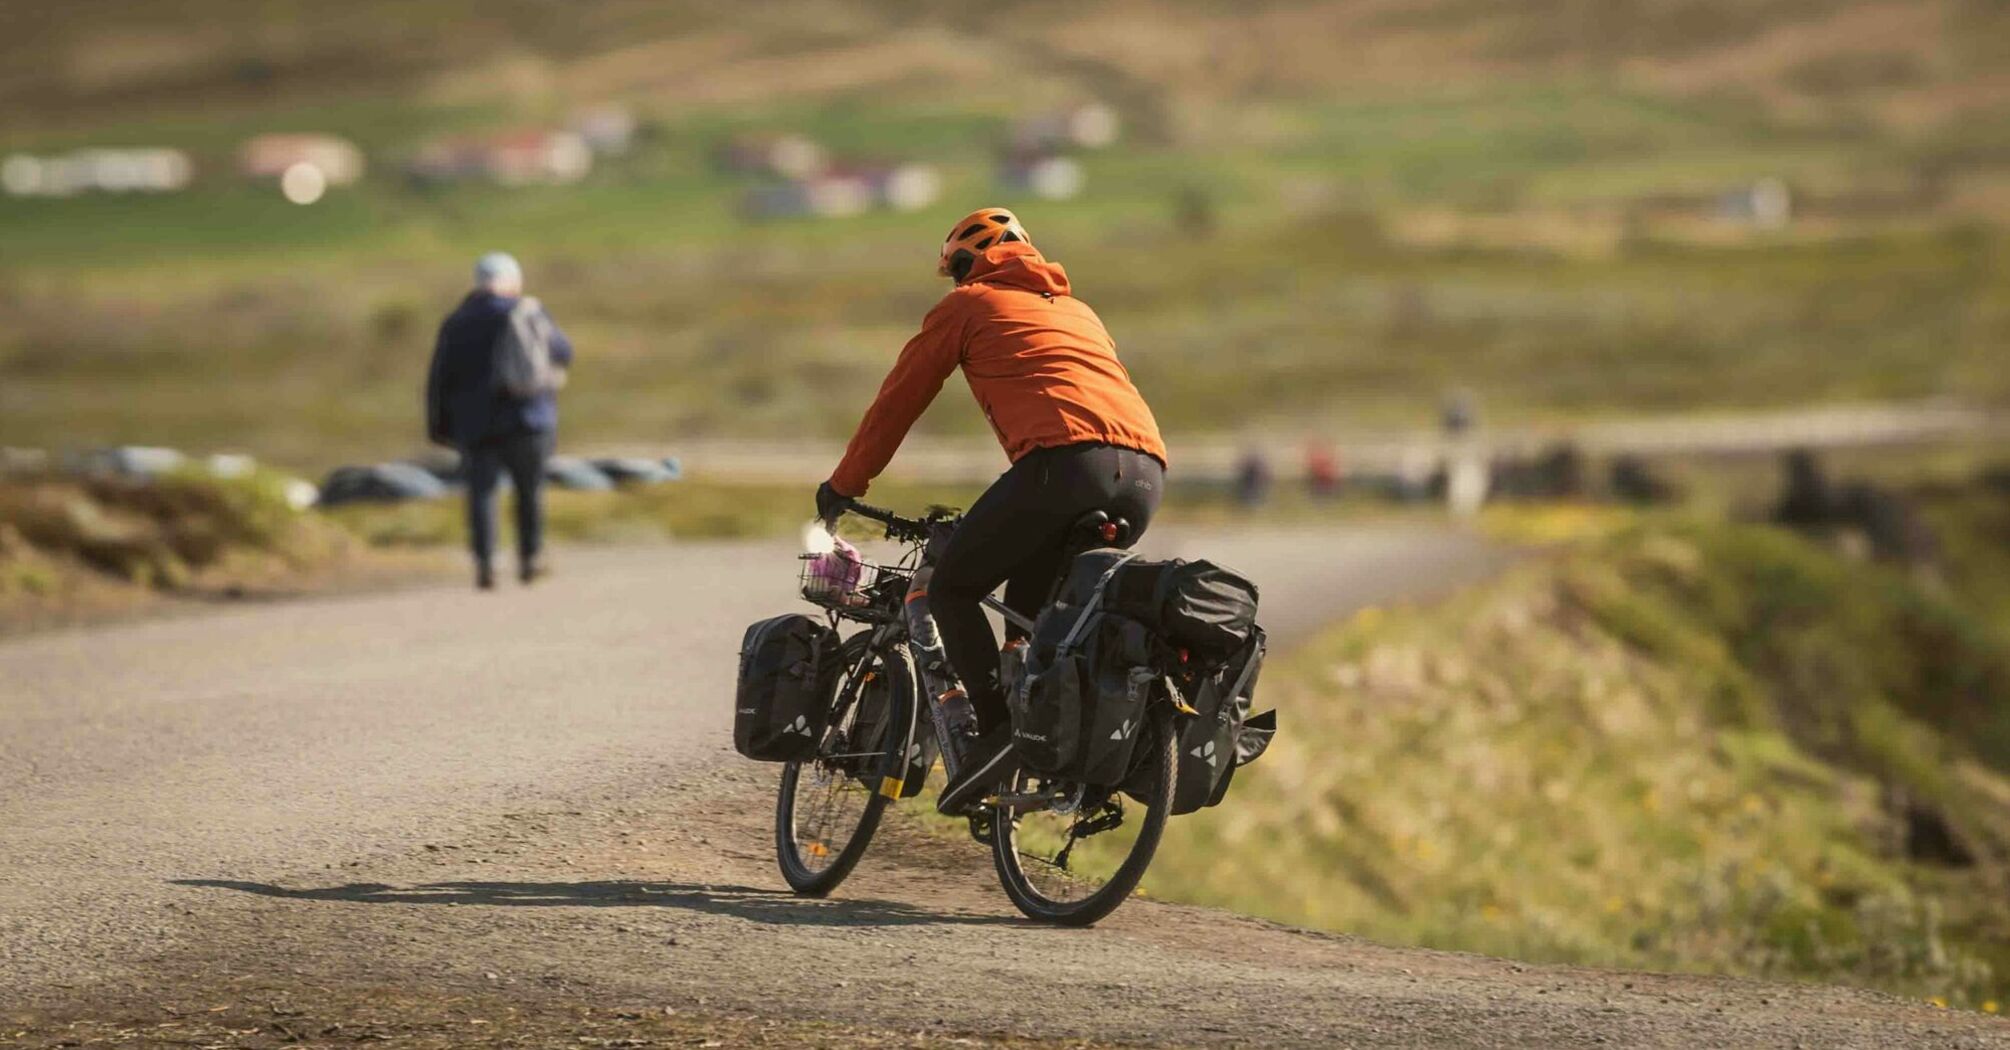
pixel 1694 746
pixel 1321 210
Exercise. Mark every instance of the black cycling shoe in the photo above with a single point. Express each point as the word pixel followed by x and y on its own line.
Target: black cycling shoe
pixel 990 760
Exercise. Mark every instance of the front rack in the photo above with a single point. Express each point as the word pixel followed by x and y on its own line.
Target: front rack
pixel 850 587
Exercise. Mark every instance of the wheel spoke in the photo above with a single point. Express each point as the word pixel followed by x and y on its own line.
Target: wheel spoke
pixel 1075 862
pixel 826 808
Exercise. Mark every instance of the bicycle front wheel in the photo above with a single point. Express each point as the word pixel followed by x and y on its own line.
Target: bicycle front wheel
pixel 829 807
pixel 1075 864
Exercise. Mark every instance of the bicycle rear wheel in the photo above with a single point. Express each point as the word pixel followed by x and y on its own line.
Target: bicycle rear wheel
pixel 1073 868
pixel 828 807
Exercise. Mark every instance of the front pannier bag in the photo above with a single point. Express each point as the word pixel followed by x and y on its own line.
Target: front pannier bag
pixel 780 706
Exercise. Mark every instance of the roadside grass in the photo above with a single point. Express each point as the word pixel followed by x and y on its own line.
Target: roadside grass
pixel 1674 744
pixel 75 550
pixel 691 509
pixel 710 508
pixel 1971 522
pixel 162 533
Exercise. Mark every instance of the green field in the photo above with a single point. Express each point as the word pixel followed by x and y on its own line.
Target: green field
pixel 1518 211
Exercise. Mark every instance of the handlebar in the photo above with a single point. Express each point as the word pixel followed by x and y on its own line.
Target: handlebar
pixel 912 530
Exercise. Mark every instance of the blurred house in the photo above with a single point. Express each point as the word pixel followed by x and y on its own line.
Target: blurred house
pixel 846 191
pixel 789 156
pixel 817 196
pixel 609 131
pixel 96 171
pixel 272 156
pixel 512 159
pixel 1045 176
pixel 902 187
pixel 1766 204
pixel 1092 125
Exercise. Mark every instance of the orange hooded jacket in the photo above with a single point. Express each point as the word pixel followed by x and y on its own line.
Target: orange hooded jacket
pixel 1039 362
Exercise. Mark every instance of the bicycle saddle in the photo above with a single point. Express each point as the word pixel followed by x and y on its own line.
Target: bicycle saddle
pixel 1097 528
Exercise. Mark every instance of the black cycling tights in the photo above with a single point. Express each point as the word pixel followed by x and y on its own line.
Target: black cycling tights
pixel 1016 534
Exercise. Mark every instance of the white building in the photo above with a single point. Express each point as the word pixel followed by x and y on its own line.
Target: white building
pixel 1046 177
pixel 513 159
pixel 1093 125
pixel 789 156
pixel 271 156
pixel 96 171
pixel 608 131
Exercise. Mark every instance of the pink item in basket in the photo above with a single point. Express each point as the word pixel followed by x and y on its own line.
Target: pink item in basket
pixel 836 572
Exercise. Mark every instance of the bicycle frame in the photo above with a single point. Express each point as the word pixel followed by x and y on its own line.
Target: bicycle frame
pixel 891 635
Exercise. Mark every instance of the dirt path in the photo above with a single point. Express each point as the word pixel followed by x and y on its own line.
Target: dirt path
pixel 437 817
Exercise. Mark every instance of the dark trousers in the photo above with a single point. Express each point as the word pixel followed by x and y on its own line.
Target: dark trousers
pixel 1015 534
pixel 521 454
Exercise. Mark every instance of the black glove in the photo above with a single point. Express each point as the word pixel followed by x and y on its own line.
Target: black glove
pixel 829 504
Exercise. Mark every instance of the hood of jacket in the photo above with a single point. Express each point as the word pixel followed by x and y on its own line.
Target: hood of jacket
pixel 1016 264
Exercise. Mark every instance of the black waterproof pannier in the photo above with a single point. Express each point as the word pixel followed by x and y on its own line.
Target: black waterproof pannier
pixel 1077 692
pixel 1222 734
pixel 1197 604
pixel 780 707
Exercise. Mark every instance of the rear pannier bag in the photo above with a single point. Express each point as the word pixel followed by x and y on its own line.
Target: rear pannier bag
pixel 1075 707
pixel 781 705
pixel 1123 683
pixel 1221 735
pixel 1047 714
pixel 1197 604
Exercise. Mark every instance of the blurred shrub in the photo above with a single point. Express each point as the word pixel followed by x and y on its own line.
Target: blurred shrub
pixel 156 533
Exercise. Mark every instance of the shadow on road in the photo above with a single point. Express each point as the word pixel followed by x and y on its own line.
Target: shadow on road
pixel 773 907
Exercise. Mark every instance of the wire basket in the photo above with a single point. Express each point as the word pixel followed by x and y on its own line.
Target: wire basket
pixel 836 581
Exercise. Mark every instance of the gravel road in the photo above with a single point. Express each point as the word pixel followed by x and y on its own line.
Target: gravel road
pixel 438 817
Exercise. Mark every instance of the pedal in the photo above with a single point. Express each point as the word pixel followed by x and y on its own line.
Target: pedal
pixel 981 827
pixel 1023 803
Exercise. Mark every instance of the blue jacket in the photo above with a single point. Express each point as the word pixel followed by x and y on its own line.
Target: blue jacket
pixel 464 403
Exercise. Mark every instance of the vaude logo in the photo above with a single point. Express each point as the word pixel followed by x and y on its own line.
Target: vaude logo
pixel 750 710
pixel 1123 732
pixel 1030 736
pixel 1205 751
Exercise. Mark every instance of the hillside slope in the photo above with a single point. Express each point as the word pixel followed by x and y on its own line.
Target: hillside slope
pixel 1691 746
pixel 1346 208
pixel 1912 62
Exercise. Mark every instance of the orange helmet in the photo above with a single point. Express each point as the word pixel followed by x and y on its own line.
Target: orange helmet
pixel 972 234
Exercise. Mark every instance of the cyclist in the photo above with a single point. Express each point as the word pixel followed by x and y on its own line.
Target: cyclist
pixel 1079 435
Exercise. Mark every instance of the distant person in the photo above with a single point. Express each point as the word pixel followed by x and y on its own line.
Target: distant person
pixel 1252 478
pixel 1322 470
pixel 1080 437
pixel 492 393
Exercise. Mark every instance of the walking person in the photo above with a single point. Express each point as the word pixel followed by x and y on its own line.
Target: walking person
pixel 492 394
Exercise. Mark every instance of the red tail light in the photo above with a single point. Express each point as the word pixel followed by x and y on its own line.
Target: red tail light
pixel 1109 531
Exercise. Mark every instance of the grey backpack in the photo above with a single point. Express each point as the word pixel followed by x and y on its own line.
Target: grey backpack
pixel 524 367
